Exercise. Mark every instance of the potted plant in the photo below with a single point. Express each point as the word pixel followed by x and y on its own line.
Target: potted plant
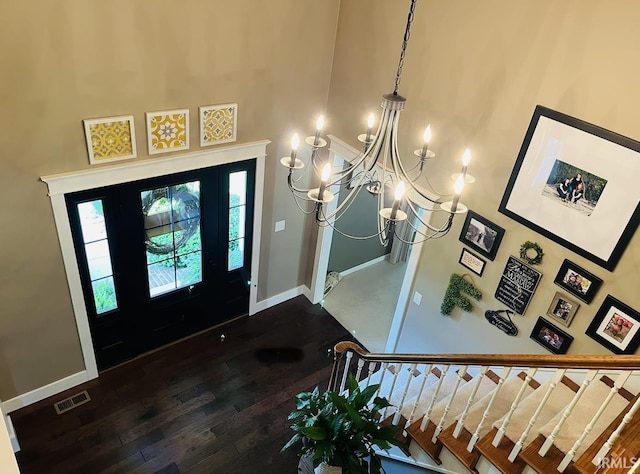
pixel 342 430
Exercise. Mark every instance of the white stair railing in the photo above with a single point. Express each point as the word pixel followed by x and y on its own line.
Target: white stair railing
pixel 557 377
pixel 476 435
pixel 470 401
pixel 606 447
pixel 343 382
pixel 396 372
pixel 434 397
pixel 412 371
pixel 544 449
pixel 462 371
pixel 514 406
pixel 620 381
pixel 425 376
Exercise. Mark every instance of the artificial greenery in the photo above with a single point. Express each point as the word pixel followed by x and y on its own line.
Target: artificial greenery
pixel 453 296
pixel 342 430
pixel 524 253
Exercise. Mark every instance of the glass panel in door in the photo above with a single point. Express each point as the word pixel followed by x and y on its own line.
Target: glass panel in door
pixel 237 219
pixel 172 237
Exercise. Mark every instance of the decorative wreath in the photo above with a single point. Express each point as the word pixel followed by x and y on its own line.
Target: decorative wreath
pixel 188 207
pixel 524 253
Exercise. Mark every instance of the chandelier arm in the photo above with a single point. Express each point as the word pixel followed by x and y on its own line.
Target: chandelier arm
pixel 426 224
pixel 327 223
pixel 296 200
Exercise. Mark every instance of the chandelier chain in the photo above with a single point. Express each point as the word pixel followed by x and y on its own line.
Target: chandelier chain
pixel 405 42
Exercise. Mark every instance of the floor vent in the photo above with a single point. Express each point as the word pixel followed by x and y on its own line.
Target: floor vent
pixel 72 402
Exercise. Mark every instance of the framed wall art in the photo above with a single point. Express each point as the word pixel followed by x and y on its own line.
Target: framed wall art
pixel 551 337
pixel 218 124
pixel 573 182
pixel 562 309
pixel 577 281
pixel 110 139
pixel 168 131
pixel 472 262
pixel 615 326
pixel 481 234
pixel 517 285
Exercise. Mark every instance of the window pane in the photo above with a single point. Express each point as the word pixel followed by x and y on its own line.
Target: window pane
pixel 94 234
pixel 237 222
pixel 172 236
pixel 237 188
pixel 104 294
pixel 236 254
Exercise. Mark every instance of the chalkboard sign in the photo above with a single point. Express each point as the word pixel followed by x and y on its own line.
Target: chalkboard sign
pixel 517 285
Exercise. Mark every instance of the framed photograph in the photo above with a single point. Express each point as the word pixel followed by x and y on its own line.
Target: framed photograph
pixel 472 262
pixel 573 182
pixel 218 124
pixel 562 309
pixel 577 281
pixel 615 326
pixel 110 139
pixel 551 337
pixel 481 234
pixel 168 131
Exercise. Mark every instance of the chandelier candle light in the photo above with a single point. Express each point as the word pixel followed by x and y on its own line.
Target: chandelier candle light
pixel 379 168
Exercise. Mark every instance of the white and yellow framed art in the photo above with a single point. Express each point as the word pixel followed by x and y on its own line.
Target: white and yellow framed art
pixel 110 138
pixel 218 124
pixel 167 131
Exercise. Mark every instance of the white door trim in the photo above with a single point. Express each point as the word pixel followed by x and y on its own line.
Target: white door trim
pixel 61 184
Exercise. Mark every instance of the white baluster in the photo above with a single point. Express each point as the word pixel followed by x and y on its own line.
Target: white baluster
pixel 606 447
pixel 425 376
pixel 396 372
pixel 620 381
pixel 591 374
pixel 360 366
pixel 472 397
pixel 347 363
pixel 462 371
pixel 425 419
pixel 498 437
pixel 383 371
pixel 476 435
pixel 557 377
pixel 372 368
pixel 635 468
pixel 412 370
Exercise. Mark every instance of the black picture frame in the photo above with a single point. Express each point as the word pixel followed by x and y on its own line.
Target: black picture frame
pixel 472 262
pixel 577 281
pixel 616 326
pixel 481 235
pixel 551 337
pixel 517 285
pixel 599 225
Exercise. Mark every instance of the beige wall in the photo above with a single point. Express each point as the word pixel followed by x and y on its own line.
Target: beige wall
pixel 476 71
pixel 66 61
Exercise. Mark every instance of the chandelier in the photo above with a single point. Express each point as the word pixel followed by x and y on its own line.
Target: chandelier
pixel 378 169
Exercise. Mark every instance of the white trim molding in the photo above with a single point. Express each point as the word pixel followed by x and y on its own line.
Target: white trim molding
pixel 280 298
pixel 61 184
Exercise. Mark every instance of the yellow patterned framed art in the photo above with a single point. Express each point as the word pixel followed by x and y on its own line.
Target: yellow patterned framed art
pixel 218 124
pixel 110 139
pixel 167 131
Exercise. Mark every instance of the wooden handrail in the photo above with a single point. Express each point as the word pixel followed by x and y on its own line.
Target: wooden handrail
pixel 617 362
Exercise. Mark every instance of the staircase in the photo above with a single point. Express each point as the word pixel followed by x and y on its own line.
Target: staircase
pixel 511 414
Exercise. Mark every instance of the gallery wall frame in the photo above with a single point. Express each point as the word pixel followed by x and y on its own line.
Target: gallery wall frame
pixel 562 309
pixel 551 337
pixel 560 153
pixel 110 138
pixel 576 280
pixel 616 326
pixel 472 262
pixel 481 235
pixel 218 124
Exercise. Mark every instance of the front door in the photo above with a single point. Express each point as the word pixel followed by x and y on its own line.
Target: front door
pixel 164 257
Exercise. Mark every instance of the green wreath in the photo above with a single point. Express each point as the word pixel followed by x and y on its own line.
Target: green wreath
pixel 524 253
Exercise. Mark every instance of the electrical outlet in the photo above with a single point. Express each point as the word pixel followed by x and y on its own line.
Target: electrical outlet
pixel 417 298
pixel 279 226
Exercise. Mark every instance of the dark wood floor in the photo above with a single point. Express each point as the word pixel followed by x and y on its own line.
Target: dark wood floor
pixel 200 406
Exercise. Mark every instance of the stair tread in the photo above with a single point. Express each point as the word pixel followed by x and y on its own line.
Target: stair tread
pixel 582 414
pixel 560 397
pixel 500 407
pixel 425 399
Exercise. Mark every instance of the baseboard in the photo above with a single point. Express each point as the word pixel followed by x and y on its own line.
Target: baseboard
pixel 47 391
pixel 281 298
pixel 364 265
